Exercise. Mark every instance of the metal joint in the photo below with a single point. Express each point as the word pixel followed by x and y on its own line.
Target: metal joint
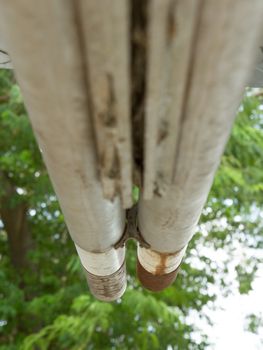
pixel 131 230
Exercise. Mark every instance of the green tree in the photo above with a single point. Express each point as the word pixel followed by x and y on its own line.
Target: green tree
pixel 44 301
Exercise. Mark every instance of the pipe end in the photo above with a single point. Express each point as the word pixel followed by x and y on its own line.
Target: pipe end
pixel 155 283
pixel 157 270
pixel 107 288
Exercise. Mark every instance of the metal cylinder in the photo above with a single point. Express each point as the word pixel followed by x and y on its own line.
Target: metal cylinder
pixel 43 41
pixel 105 272
pixel 217 77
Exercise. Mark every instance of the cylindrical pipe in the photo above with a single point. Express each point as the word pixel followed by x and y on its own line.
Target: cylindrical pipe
pixel 105 272
pixel 157 270
pixel 222 57
pixel 43 40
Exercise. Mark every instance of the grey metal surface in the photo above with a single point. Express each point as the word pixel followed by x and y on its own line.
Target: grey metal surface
pixel 218 78
pixel 50 73
pixel 256 79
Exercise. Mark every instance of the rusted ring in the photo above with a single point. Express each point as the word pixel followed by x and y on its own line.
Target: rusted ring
pixel 107 288
pixel 155 283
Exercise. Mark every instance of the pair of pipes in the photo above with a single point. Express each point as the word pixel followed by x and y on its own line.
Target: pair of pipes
pixel 45 50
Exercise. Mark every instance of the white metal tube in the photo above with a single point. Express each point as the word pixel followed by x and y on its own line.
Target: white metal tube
pixel 42 38
pixel 223 55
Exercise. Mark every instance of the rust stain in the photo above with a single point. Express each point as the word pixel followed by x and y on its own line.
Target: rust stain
pixel 109 116
pixel 107 288
pixel 160 269
pixel 155 283
pixel 171 25
pixel 109 162
pixel 163 131
pixel 114 171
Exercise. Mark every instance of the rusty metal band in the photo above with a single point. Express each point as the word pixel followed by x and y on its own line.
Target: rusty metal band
pixel 157 270
pixel 107 288
pixel 155 283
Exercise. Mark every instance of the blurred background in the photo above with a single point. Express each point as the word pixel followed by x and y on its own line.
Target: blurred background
pixel 216 301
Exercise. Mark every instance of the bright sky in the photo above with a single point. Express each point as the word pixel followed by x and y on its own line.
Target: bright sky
pixel 228 329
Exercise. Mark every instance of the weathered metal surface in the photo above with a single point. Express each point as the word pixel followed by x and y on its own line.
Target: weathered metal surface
pixel 174 72
pixel 102 263
pixel 105 40
pixel 159 263
pixel 57 101
pixel 110 287
pixel 105 272
pixel 156 270
pixel 256 78
pixel 5 60
pixel 220 68
pixel 171 34
pixel 155 283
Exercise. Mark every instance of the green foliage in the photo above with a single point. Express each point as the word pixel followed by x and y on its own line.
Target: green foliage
pixel 246 274
pixel 253 323
pixel 47 305
pixel 136 319
pixel 135 194
pixel 240 174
